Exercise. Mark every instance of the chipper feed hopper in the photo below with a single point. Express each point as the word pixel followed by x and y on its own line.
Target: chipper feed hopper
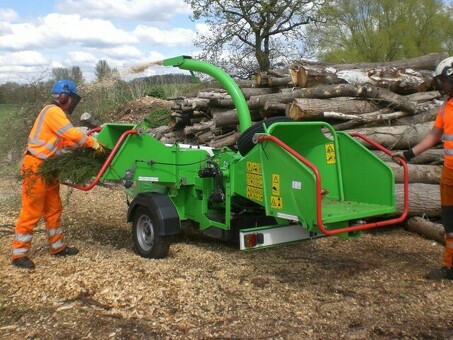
pixel 287 182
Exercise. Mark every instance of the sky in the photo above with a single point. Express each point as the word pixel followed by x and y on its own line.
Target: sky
pixel 38 35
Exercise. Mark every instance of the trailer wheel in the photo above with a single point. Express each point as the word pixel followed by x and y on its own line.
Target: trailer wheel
pixel 147 241
pixel 245 143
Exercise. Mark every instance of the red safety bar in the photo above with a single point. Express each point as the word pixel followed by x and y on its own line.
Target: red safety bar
pixel 107 161
pixel 318 197
pixel 96 129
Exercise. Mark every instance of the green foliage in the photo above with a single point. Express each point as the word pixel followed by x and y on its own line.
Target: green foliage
pixel 257 34
pixel 159 117
pixel 382 30
pixel 156 92
pixel 77 167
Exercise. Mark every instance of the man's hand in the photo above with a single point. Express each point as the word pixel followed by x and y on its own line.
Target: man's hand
pixel 98 147
pixel 406 155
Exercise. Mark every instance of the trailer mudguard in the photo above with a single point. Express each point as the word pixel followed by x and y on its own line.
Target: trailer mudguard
pixel 162 209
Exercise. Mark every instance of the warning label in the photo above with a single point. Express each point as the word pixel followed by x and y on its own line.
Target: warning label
pixel 330 153
pixel 255 193
pixel 254 168
pixel 275 185
pixel 254 181
pixel 276 202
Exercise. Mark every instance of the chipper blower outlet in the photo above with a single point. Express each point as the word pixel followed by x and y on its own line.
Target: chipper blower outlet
pixel 287 181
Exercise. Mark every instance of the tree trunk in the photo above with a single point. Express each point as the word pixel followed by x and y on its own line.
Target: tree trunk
pixel 424 199
pixel 423 96
pixel 285 81
pixel 384 116
pixel 309 108
pixel 418 173
pixel 256 91
pixel 197 103
pixel 431 157
pixel 396 137
pixel 426 62
pixel 226 118
pixel 271 109
pixel 343 90
pixel 225 140
pixel 191 130
pixel 430 230
pixel 203 137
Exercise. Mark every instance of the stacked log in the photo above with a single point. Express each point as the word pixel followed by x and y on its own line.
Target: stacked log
pixel 394 103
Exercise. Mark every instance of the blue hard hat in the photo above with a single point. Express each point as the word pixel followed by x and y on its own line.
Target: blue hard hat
pixel 64 86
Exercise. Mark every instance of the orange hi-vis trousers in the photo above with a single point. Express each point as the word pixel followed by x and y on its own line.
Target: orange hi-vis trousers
pixel 446 198
pixel 39 199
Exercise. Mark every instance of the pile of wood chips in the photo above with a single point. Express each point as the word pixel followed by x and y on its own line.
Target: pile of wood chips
pixel 329 288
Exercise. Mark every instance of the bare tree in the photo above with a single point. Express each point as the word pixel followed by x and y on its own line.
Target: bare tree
pixel 74 73
pixel 252 35
pixel 59 73
pixel 77 75
pixel 104 72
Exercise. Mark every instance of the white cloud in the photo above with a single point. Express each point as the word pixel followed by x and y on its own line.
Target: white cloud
pixel 173 37
pixel 24 58
pixel 7 14
pixel 81 34
pixel 122 52
pixel 23 65
pixel 126 9
pixel 203 29
pixel 56 30
pixel 81 58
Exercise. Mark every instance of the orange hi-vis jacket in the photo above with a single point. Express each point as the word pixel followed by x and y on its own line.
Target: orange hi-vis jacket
pixel 444 121
pixel 52 131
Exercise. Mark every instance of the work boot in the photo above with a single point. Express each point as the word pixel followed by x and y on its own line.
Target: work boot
pixel 67 251
pixel 443 273
pixel 23 262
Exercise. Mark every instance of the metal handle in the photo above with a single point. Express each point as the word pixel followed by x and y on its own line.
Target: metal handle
pixel 318 194
pixel 107 162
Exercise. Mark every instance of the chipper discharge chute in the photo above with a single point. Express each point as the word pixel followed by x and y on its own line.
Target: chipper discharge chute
pixel 289 180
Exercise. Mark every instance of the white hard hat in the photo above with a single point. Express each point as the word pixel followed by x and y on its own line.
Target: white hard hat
pixel 445 68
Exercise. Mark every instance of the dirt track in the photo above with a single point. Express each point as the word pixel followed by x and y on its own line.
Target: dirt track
pixel 329 288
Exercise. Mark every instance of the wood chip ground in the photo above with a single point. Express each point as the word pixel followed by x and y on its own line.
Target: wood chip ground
pixel 371 287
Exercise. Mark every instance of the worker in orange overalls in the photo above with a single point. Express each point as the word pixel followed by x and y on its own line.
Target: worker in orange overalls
pixel 442 130
pixel 51 132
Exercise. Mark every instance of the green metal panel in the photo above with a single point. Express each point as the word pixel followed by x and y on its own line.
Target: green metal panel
pixel 366 177
pixel 313 140
pixel 111 132
pixel 349 173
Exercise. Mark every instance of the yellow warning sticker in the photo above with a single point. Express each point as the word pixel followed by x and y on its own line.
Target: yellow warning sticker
pixel 255 193
pixel 254 168
pixel 255 180
pixel 276 202
pixel 275 185
pixel 330 153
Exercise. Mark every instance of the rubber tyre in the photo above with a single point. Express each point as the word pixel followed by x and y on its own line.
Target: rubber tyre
pixel 145 236
pixel 245 140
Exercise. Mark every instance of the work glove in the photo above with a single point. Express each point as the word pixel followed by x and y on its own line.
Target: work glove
pixel 98 147
pixel 407 155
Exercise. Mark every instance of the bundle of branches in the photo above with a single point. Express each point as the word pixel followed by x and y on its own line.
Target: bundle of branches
pixel 77 167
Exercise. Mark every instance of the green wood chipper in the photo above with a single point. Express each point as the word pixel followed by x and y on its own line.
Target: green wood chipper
pixel 287 181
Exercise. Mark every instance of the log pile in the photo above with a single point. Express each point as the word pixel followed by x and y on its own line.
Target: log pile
pixel 394 103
